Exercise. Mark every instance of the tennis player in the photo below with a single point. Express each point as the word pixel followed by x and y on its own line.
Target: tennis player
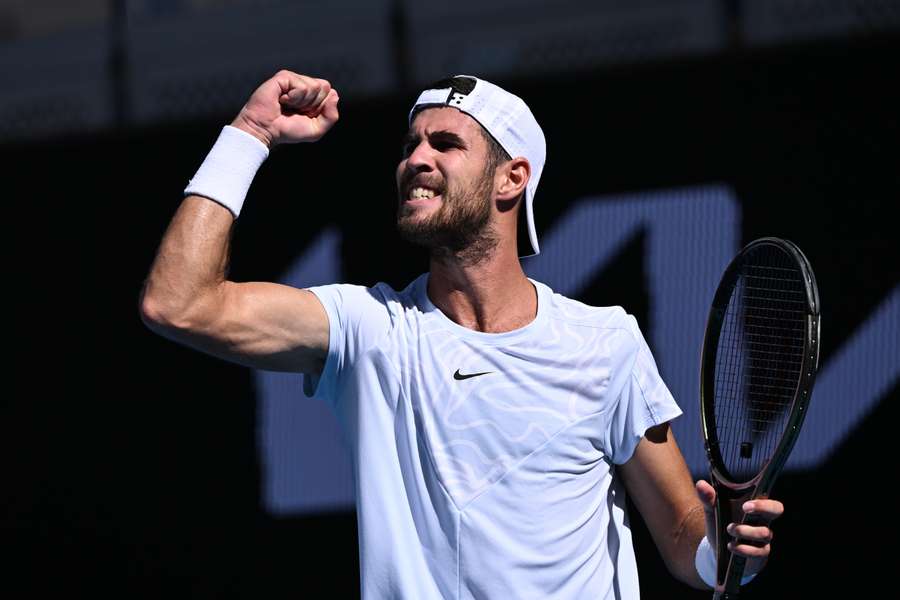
pixel 495 425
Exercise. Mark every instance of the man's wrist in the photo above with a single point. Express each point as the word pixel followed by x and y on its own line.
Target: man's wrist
pixel 705 563
pixel 228 170
pixel 248 126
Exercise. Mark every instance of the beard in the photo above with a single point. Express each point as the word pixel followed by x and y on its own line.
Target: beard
pixel 459 229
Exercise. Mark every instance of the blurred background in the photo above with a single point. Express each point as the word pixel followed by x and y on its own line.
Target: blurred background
pixel 677 132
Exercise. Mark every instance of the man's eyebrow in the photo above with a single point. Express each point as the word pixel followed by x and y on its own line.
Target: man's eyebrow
pixel 448 136
pixel 440 135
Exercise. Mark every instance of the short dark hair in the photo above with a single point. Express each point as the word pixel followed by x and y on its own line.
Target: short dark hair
pixel 495 154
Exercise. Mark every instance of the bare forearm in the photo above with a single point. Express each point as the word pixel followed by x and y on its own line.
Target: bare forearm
pixel 660 484
pixel 191 262
pixel 684 549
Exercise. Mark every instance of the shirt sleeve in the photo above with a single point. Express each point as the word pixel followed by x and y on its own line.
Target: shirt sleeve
pixel 644 401
pixel 357 317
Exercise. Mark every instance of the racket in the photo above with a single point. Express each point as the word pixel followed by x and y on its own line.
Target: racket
pixel 759 361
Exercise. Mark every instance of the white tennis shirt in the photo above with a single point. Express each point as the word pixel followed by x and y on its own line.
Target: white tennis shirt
pixel 484 463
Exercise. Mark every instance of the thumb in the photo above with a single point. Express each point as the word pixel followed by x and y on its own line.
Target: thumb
pixel 329 113
pixel 706 493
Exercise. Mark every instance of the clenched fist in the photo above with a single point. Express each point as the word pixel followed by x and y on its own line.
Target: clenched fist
pixel 289 108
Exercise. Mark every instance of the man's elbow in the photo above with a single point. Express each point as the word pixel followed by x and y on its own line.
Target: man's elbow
pixel 156 316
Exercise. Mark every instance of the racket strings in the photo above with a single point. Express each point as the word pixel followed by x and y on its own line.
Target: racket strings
pixel 759 360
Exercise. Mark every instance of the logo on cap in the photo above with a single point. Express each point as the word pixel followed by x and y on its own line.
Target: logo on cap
pixel 456 98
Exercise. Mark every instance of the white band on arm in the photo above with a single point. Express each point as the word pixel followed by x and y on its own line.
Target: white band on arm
pixel 229 168
pixel 705 561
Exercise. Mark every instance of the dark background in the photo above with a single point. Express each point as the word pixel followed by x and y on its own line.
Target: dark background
pixel 131 462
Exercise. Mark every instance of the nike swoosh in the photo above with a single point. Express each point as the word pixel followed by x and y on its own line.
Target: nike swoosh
pixel 460 377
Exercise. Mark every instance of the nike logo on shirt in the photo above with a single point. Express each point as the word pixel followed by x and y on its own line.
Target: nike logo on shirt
pixel 459 376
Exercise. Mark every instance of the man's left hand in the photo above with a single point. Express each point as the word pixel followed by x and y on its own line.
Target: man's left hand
pixel 767 509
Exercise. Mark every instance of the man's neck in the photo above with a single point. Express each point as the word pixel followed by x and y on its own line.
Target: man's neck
pixel 492 296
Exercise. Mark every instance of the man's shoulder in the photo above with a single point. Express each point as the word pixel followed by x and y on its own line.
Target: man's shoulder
pixel 578 312
pixel 616 329
pixel 367 300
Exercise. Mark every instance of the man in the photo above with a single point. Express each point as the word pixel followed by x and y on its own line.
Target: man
pixel 494 425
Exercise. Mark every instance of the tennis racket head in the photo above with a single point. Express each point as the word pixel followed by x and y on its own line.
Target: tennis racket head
pixel 759 359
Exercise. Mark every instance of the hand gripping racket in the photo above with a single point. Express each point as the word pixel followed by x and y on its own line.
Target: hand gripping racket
pixel 759 361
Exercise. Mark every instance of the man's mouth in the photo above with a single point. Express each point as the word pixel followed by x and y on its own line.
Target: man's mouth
pixel 421 192
pixel 420 195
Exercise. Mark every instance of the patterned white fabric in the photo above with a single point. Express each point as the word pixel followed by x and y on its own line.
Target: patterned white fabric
pixel 500 484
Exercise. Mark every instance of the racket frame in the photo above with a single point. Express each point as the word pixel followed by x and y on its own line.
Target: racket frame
pixel 730 495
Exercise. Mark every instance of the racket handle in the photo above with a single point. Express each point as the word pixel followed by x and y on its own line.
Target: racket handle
pixel 737 563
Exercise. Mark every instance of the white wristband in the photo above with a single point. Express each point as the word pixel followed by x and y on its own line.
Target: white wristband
pixel 229 168
pixel 705 562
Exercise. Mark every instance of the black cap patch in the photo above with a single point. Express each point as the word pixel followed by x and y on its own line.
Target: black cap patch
pixel 460 87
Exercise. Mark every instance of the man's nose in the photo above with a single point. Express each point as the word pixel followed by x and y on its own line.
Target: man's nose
pixel 421 158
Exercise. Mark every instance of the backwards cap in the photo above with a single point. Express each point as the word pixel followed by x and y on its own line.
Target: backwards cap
pixel 509 121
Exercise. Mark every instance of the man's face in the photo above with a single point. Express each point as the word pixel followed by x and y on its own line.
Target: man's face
pixel 444 183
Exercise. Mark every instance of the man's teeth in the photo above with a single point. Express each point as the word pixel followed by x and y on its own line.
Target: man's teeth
pixel 420 192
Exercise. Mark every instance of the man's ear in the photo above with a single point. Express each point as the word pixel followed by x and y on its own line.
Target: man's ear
pixel 513 176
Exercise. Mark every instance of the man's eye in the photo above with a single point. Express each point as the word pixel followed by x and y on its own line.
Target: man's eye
pixel 439 145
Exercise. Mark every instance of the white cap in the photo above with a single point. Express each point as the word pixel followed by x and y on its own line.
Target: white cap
pixel 509 121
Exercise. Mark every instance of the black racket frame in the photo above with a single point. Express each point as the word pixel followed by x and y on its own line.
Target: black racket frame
pixel 730 496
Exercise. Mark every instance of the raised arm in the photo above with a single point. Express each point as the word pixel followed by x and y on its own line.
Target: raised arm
pixel 187 297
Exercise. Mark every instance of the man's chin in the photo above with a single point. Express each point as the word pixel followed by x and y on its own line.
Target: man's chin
pixel 417 217
pixel 419 231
